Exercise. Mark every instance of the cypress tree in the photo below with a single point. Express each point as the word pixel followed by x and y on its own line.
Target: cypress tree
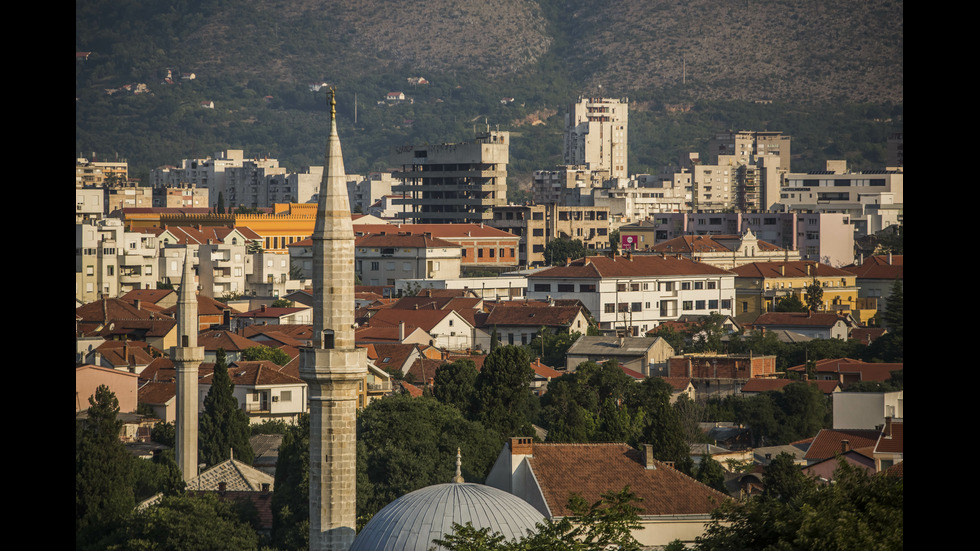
pixel 223 425
pixel 103 470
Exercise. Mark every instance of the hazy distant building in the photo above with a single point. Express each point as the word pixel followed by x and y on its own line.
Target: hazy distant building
pixel 453 182
pixel 596 135
pixel 756 160
pixel 97 173
pixel 538 224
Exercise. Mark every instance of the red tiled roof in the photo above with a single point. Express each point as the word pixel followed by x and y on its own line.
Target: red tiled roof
pixel 206 306
pixel 869 371
pixel 893 442
pixel 449 232
pixel 828 442
pixel 533 316
pixel 250 373
pixel 157 392
pixel 677 383
pixel 879 267
pixel 229 341
pixel 409 240
pixel 633 266
pixel 412 390
pixel 798 319
pixel 151 296
pixel 590 470
pixel 424 319
pixel 792 268
pixel 705 243
pixel 544 371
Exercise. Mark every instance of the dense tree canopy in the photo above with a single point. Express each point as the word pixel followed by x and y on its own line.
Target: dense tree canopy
pixel 502 397
pixel 857 511
pixel 558 251
pixel 454 384
pixel 260 352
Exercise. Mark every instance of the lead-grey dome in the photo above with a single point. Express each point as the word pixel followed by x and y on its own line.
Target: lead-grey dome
pixel 415 519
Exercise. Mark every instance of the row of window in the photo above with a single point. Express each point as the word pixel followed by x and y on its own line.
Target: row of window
pixel 687 306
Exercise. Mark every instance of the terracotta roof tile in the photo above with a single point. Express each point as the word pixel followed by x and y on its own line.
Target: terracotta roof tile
pixel 157 392
pixel 829 442
pixel 707 243
pixel 622 266
pixel 793 268
pixel 892 440
pixel 593 469
pixel 533 316
pixel 765 385
pixel 879 267
pixel 797 319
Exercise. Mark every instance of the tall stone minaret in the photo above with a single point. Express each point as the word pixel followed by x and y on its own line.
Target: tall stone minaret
pixel 187 357
pixel 332 367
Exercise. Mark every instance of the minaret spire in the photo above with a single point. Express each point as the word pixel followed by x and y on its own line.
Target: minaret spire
pixel 332 367
pixel 187 357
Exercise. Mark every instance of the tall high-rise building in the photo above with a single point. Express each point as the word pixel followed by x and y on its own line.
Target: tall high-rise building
pixel 453 183
pixel 333 367
pixel 595 135
pixel 187 357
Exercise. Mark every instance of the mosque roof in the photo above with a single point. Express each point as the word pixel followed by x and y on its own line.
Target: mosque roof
pixel 412 521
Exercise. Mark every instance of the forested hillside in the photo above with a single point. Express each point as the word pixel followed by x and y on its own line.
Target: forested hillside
pixel 832 71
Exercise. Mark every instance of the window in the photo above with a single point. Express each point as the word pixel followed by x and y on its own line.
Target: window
pixel 745 306
pixel 699 285
pixel 685 285
pixel 687 305
pixel 712 304
pixel 586 288
pixel 286 396
pixel 637 306
pixel 566 288
pixel 620 286
pixel 699 305
pixel 634 286
pixel 375 266
pixel 609 308
pixel 711 285
pixel 479 253
pixel 542 287
pixel 726 304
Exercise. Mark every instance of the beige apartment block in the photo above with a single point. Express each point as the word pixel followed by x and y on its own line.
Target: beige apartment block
pixel 565 185
pixel 127 195
pixel 453 182
pixel 110 261
pixel 644 195
pixel 596 135
pixel 538 224
pixel 98 173
pixel 380 259
pixel 180 196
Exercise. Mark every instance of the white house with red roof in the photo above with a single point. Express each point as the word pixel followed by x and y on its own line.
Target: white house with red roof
pixel 262 389
pixel 636 293
pixel 270 315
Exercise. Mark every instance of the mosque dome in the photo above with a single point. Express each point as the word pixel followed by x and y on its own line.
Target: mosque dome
pixel 412 521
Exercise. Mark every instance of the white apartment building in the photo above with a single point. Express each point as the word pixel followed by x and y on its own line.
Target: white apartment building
pixel 874 200
pixel 270 275
pixel 239 181
pixel 636 293
pixel 111 261
pixel 89 203
pixel 363 193
pixel 222 269
pixel 596 132
pixel 644 195
pixel 821 237
pixel 381 259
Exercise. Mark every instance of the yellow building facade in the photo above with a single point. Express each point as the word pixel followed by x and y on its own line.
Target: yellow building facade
pixel 760 285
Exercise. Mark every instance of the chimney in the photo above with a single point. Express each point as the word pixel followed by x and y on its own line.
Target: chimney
pixel 136 303
pixel 401 331
pixel 889 259
pixel 888 428
pixel 263 308
pixel 523 445
pixel 845 446
pixel 648 461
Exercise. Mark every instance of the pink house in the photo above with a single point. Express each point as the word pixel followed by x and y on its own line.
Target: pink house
pixel 88 378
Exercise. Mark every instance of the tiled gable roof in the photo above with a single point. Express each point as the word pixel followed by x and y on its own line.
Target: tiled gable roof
pixel 869 371
pixel 637 265
pixel 880 267
pixel 424 319
pixel 793 269
pixel 892 439
pixel 590 470
pixel 543 371
pixel 151 296
pixel 250 374
pixel 227 340
pixel 449 232
pixel 707 243
pixel 798 319
pixel 830 442
pixel 300 331
pixel 401 239
pixel 160 370
pixel 157 393
pixel 677 383
pixel 533 316
pixel 206 306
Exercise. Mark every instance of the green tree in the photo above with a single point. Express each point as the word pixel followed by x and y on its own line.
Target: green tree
pixel 282 303
pixel 267 353
pixel 784 480
pixel 813 296
pixel 893 316
pixel 857 511
pixel 674 338
pixel 557 251
pixel 706 335
pixel 710 473
pixel 104 495
pixel 552 346
pixel 454 384
pixel 224 426
pixel 203 522
pixel 291 500
pixel 408 443
pixel 789 303
pixel 502 397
